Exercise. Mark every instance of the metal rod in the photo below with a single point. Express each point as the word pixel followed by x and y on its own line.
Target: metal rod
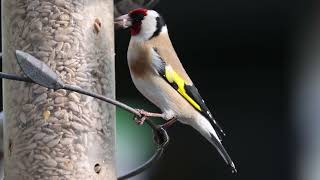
pixel 103 98
pixel 160 135
pixel 160 131
pixel 14 77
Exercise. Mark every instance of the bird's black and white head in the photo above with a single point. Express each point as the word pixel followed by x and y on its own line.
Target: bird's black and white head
pixel 144 24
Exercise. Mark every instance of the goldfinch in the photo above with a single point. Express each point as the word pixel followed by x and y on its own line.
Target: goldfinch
pixel 159 75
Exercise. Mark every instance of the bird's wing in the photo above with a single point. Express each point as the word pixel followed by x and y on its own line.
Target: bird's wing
pixel 165 49
pixel 188 91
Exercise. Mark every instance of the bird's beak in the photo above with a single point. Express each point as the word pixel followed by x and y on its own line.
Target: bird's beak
pixel 123 21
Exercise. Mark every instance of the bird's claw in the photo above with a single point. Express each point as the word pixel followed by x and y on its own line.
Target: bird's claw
pixel 144 113
pixel 140 120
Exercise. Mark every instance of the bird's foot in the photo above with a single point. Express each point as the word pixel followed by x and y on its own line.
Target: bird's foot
pixel 140 120
pixel 144 114
pixel 149 114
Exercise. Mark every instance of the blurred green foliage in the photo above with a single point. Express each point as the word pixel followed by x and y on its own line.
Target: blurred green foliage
pixel 133 141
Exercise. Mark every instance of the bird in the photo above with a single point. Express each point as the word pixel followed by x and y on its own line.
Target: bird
pixel 158 74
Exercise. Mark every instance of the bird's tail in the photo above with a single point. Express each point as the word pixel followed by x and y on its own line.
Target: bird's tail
pixel 205 128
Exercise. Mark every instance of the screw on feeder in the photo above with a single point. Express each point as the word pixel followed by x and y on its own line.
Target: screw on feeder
pixel 97 25
pixel 97 168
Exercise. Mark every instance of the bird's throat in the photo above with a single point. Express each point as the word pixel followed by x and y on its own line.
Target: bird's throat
pixel 135 29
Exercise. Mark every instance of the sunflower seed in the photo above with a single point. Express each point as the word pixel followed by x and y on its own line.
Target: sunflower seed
pixel 50 162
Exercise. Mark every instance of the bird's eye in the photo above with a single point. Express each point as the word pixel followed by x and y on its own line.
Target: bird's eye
pixel 137 17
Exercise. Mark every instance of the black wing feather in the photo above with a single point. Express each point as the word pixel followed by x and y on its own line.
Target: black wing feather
pixel 193 92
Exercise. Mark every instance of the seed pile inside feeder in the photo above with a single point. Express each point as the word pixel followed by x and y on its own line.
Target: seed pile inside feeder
pixel 59 134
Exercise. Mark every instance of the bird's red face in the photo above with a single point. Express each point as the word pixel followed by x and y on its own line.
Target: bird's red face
pixel 143 23
pixel 137 17
pixel 133 20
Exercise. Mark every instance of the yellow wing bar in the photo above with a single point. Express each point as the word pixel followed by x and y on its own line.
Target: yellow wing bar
pixel 173 77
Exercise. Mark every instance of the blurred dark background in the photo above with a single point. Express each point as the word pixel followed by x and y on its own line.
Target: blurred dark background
pixel 238 54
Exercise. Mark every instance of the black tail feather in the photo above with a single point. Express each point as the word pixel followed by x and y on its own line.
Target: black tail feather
pixel 218 128
pixel 223 153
